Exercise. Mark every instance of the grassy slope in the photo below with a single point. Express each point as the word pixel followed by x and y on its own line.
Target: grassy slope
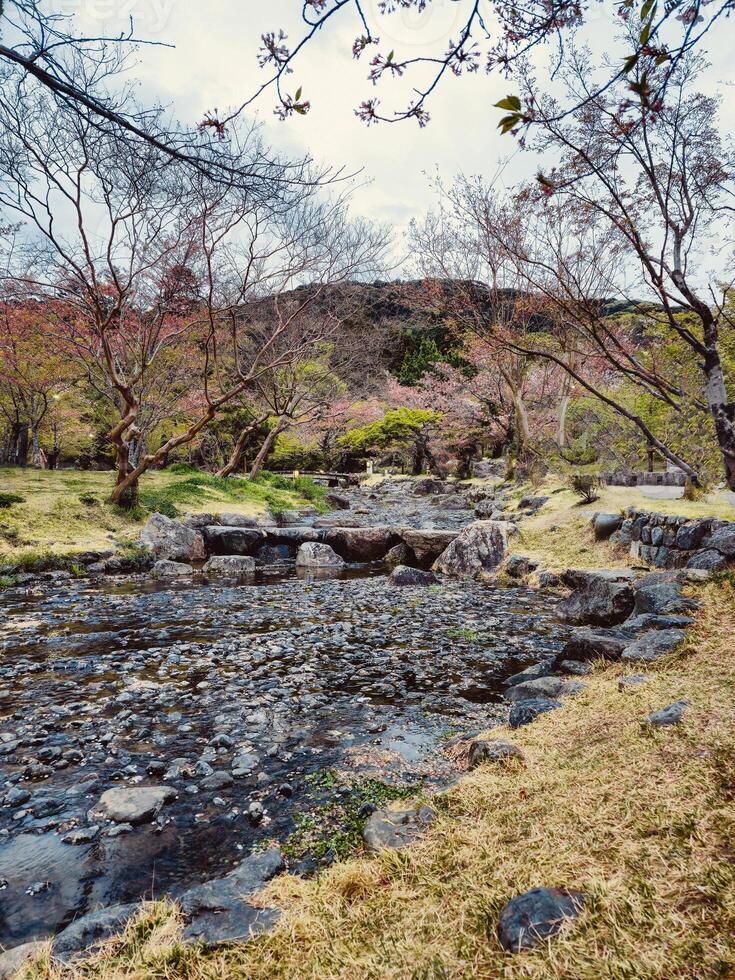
pixel 54 519
pixel 560 534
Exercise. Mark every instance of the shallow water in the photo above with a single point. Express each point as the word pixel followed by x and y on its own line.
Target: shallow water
pixel 107 683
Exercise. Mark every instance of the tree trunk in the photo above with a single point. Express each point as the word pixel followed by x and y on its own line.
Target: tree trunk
pixel 236 455
pixel 649 455
pixel 521 413
pixel 21 450
pixel 36 442
pixel 723 413
pixel 561 422
pixel 265 449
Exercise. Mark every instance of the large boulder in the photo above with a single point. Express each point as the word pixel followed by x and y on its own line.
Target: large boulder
pixel 481 546
pixel 92 929
pixel 396 828
pixel 361 544
pixel 429 486
pixel 530 919
pixel 588 644
pixel 230 565
pixel 133 804
pixel 218 911
pixel 427 545
pixel 338 501
pixel 601 602
pixel 172 540
pixel 312 554
pixel 226 540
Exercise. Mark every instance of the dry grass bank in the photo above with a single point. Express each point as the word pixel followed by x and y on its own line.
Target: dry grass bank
pixel 643 822
pixel 560 534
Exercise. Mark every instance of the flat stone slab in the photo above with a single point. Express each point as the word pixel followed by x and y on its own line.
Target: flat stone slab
pixel 134 804
pixel 218 911
pixel 164 568
pixel 13 960
pixel 91 929
pixel 543 687
pixel 533 917
pixel 230 565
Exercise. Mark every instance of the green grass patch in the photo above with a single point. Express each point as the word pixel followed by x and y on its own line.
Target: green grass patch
pixel 8 499
pixel 332 830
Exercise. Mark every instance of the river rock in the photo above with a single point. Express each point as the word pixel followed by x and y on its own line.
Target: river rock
pixel 312 554
pixel 662 598
pixel 164 568
pixel 361 544
pixel 707 560
pixel 427 544
pixel 92 929
pixel 338 501
pixel 519 565
pixel 541 669
pixel 429 486
pixel 218 911
pixel 589 644
pixel 543 687
pixel 632 680
pixel 723 540
pixel 672 714
pixel 651 646
pixel 524 712
pixel 403 575
pixel 396 828
pixel 605 525
pixel 536 915
pixel 14 960
pixel 399 554
pixel 600 602
pixel 133 804
pixel 479 546
pixel 230 565
pixel 171 540
pixel 484 750
pixel 223 540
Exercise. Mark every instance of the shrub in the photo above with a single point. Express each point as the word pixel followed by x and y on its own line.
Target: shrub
pixel 8 499
pixel 182 468
pixel 88 500
pixel 585 486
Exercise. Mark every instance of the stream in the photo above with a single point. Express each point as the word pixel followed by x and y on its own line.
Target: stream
pixel 234 694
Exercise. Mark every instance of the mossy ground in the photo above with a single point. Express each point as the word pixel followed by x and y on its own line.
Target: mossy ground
pixel 66 511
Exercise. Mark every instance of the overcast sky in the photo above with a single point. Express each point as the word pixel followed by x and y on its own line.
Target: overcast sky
pixel 213 64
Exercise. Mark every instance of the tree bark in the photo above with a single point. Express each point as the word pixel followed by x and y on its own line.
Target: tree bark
pixel 236 455
pixel 21 450
pixel 265 449
pixel 561 422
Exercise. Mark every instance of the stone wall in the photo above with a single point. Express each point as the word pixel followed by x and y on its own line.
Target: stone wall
pixel 668 541
pixel 624 478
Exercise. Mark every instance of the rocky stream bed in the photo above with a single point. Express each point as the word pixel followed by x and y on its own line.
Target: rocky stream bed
pixel 181 732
